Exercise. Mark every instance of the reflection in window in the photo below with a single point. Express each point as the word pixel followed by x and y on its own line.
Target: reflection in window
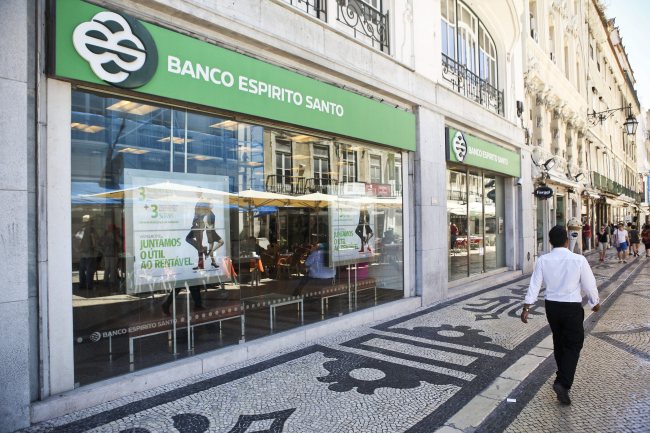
pixel 187 227
pixel 375 168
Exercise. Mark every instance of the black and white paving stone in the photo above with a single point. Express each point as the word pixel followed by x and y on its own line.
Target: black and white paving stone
pixel 409 374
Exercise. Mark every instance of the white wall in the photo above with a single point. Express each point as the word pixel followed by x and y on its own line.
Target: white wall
pixel 17 195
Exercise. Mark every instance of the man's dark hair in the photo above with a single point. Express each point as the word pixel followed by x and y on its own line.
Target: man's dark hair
pixel 557 235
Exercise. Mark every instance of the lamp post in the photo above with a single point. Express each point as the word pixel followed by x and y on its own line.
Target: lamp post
pixel 630 123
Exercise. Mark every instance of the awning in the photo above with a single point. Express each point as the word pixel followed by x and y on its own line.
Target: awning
pixel 562 181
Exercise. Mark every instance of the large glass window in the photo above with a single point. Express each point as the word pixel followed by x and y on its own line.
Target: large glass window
pixel 193 231
pixel 476 221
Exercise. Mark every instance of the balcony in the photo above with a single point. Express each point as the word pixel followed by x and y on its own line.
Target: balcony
pixel 612 187
pixel 315 8
pixel 367 23
pixel 471 85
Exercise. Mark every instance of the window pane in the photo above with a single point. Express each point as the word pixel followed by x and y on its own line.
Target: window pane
pixel 457 222
pixel 209 221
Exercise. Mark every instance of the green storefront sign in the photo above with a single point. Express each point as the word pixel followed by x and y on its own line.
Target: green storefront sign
pixel 470 150
pixel 103 47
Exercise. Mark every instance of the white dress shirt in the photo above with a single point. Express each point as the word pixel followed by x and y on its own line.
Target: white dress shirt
pixel 566 276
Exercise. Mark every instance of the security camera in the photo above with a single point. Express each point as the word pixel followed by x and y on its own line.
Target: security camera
pixel 520 182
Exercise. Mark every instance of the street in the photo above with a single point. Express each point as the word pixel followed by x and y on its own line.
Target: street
pixel 464 365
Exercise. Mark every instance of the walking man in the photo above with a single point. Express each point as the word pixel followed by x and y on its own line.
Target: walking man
pixel 566 275
pixel 621 242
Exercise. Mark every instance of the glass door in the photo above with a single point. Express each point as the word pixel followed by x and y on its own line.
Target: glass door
pixel 475 223
pixel 457 223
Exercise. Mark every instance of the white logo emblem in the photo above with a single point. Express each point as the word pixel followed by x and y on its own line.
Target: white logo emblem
pixel 95 337
pixel 460 146
pixel 112 52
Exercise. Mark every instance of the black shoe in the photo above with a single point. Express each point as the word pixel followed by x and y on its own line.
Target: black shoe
pixel 562 393
pixel 215 265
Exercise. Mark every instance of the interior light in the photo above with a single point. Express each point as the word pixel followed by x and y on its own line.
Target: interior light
pixel 91 129
pixel 133 150
pixel 202 157
pixel 132 107
pixel 175 140
pixel 225 124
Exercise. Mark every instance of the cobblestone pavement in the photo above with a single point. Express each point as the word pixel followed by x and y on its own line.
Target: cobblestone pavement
pixel 417 373
pixel 612 388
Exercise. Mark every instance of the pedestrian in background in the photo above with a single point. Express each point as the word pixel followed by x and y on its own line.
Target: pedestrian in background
pixel 586 236
pixel 621 241
pixel 566 276
pixel 634 240
pixel 603 239
pixel 645 237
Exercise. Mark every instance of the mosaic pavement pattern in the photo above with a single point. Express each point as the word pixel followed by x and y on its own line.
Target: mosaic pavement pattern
pixel 408 374
pixel 611 392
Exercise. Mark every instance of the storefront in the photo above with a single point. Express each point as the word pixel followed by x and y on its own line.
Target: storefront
pixel 478 176
pixel 213 198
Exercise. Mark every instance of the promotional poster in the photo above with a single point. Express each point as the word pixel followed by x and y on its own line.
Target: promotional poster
pixel 352 231
pixel 175 230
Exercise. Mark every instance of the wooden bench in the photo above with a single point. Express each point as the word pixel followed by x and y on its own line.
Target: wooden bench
pixel 326 289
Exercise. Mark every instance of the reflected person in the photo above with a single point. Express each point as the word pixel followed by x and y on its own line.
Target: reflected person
pixel 88 251
pixel 317 267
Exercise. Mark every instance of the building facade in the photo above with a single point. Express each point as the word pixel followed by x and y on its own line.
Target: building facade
pixel 199 184
pixel 580 90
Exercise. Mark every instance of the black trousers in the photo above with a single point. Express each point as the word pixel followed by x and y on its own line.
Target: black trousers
pixel 195 291
pixel 565 319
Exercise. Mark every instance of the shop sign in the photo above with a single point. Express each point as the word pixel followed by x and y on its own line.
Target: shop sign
pixel 102 47
pixel 543 192
pixel 468 149
pixel 378 189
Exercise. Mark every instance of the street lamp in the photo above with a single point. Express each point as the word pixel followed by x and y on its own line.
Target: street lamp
pixel 630 123
pixel 549 164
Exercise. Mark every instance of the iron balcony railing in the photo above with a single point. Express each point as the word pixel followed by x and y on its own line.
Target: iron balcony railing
pixel 612 187
pixel 471 85
pixel 367 22
pixel 315 8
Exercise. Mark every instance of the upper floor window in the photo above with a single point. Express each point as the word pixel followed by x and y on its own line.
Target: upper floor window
pixel 469 55
pixel 465 40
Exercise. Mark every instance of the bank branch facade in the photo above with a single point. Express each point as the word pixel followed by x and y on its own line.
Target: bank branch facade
pixel 203 186
pixel 213 198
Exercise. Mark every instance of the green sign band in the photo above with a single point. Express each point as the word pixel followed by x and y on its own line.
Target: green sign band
pixel 474 151
pixel 103 47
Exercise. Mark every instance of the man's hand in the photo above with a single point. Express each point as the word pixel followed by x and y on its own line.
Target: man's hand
pixel 524 313
pixel 595 308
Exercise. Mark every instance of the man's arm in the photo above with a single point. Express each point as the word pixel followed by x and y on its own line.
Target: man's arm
pixel 533 290
pixel 588 284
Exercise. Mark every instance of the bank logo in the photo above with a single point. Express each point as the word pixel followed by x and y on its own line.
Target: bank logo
pixel 95 337
pixel 119 49
pixel 460 146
